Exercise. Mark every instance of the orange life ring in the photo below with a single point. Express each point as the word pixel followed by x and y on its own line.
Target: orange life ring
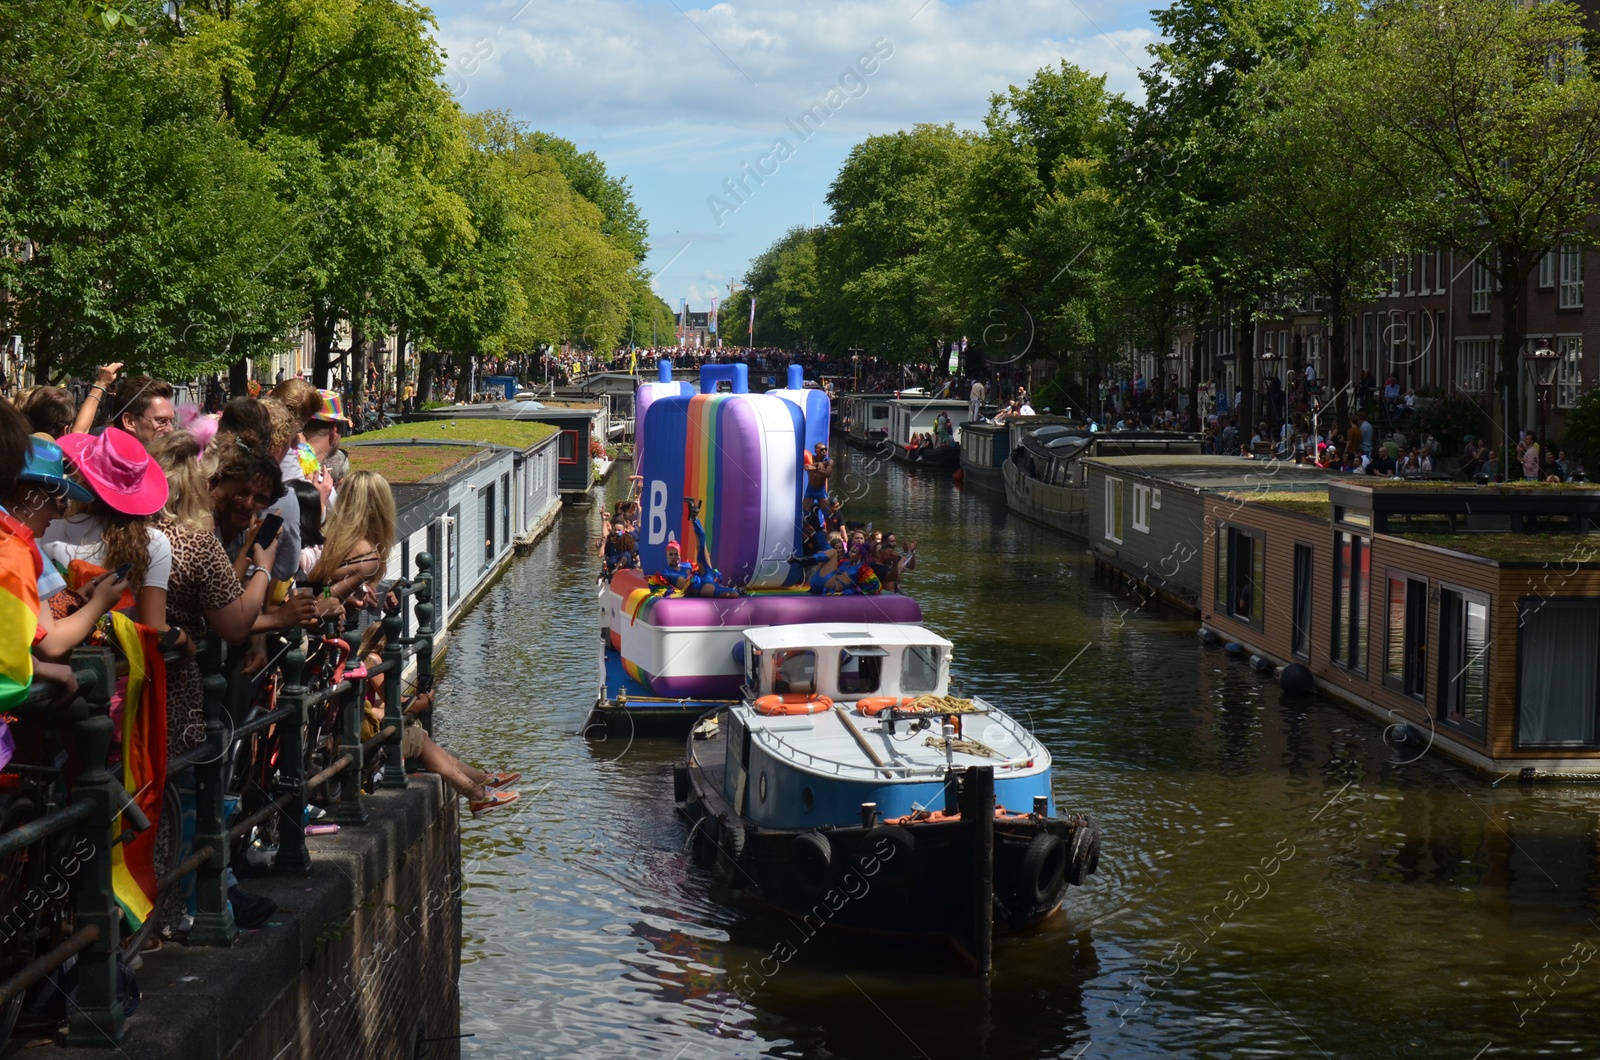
pixel 875 705
pixel 792 703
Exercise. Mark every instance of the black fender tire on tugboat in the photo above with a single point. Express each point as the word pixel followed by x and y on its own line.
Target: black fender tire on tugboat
pixel 897 862
pixel 1043 867
pixel 812 857
pixel 1083 855
pixel 680 782
pixel 730 848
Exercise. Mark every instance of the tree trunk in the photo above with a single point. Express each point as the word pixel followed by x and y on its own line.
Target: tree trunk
pixel 1338 354
pixel 425 368
pixel 44 359
pixel 239 378
pixel 400 338
pixel 1509 380
pixel 356 377
pixel 322 359
pixel 1244 352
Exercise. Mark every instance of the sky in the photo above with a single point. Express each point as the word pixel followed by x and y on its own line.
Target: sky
pixel 684 100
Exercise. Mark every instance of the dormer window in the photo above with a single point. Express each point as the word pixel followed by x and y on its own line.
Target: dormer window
pixel 861 670
pixel 919 669
pixel 795 671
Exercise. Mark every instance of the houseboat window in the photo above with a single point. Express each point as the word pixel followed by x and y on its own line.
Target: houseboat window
pixel 1406 645
pixel 1352 516
pixel 795 671
pixel 1558 688
pixel 1351 562
pixel 1241 573
pixel 919 669
pixel 1114 510
pixel 488 524
pixel 1464 660
pixel 752 668
pixel 567 447
pixel 1141 508
pixel 879 412
pixel 860 670
pixel 1300 642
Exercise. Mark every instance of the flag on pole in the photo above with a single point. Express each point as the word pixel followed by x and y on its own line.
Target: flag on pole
pixel 144 763
pixel 711 320
pixel 683 320
pixel 752 320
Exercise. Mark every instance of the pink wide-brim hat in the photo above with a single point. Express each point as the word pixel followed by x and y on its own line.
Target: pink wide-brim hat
pixel 118 469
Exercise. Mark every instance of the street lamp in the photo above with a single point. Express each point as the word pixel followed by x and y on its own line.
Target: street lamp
pixel 1269 364
pixel 1174 359
pixel 1541 364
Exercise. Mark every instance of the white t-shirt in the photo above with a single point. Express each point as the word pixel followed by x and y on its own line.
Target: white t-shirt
pixel 80 538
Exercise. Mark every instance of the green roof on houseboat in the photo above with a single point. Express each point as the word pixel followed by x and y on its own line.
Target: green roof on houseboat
pixel 1581 549
pixel 1222 473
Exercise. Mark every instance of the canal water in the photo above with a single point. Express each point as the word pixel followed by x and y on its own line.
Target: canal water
pixel 1278 880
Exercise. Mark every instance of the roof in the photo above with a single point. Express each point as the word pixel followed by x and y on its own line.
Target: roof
pixel 840 634
pixel 1208 473
pixel 1573 549
pixel 517 434
pixel 1312 502
pixel 404 462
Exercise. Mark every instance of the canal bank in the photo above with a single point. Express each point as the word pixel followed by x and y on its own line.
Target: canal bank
pixel 1278 878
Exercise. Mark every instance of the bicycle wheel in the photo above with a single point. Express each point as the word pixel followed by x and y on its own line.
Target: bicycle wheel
pixel 21 878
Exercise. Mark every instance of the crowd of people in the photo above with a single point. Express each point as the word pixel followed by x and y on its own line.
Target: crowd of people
pixel 235 526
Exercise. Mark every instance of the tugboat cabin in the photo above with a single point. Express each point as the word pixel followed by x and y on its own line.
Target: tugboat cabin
pixel 845 661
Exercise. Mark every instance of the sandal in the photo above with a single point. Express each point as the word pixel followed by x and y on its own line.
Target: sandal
pixel 495 800
pixel 500 778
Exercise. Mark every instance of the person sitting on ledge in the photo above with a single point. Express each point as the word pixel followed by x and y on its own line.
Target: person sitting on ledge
pixel 696 579
pixel 483 791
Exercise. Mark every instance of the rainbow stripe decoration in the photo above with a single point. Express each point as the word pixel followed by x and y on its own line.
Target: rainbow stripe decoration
pixel 144 763
pixel 19 610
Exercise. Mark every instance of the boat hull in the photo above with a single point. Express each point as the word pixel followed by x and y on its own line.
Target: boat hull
pixel 1061 508
pixel 958 876
pixel 943 456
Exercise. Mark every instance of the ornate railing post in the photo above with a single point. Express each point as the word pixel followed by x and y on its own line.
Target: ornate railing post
pixel 293 859
pixel 213 922
pixel 425 630
pixel 351 809
pixel 394 654
pixel 97 1017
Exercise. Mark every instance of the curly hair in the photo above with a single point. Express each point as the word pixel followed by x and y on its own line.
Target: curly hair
pixel 188 500
pixel 50 410
pixel 285 425
pixel 126 539
pixel 302 399
pixel 241 456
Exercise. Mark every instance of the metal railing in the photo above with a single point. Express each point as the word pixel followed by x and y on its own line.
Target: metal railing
pixel 97 806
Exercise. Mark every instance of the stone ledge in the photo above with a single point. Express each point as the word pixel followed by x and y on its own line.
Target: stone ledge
pixel 200 1002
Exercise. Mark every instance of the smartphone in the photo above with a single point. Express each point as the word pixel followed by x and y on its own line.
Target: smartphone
pixel 121 572
pixel 269 529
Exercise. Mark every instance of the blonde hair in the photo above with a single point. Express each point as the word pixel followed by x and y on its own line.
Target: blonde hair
pixel 285 424
pixel 301 398
pixel 188 492
pixel 365 512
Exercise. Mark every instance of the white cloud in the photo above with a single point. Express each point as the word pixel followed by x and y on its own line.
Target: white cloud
pixel 679 97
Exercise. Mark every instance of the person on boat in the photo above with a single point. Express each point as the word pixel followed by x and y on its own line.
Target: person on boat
pixel 836 573
pixel 943 431
pixel 696 579
pixel 817 472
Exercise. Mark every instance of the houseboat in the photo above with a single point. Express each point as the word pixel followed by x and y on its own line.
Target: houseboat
pixel 914 420
pixel 1045 479
pixel 864 419
pixel 1465 618
pixel 581 429
pixel 1145 515
pixel 847 788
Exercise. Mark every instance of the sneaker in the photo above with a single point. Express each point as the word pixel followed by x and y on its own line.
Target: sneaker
pixel 495 801
pixel 500 779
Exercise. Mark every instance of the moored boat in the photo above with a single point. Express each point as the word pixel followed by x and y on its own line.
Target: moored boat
pixel 914 424
pixel 848 788
pixel 1044 474
pixel 864 418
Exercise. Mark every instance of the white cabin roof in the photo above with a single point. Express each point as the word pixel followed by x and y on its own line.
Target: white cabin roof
pixel 840 635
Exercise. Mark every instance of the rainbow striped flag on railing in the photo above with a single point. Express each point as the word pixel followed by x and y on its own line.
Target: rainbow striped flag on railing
pixel 144 763
pixel 19 619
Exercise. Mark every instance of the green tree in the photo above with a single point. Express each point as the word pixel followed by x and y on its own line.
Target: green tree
pixel 783 281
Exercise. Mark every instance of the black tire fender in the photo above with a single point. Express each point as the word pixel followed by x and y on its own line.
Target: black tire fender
pixel 1043 867
pixel 680 782
pixel 1083 857
pixel 812 857
pixel 895 849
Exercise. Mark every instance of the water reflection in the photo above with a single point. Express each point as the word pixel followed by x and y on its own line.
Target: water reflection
pixel 1277 881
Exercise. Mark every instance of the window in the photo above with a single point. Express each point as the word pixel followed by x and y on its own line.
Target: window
pixel 1141 508
pixel 1547 271
pixel 488 524
pixel 1570 294
pixel 567 447
pixel 1351 559
pixel 1464 660
pixel 1406 646
pixel 1114 510
pixel 1558 653
pixel 1569 373
pixel 452 544
pixel 505 510
pixel 1411 274
pixel 1438 272
pixel 1472 365
pixel 1481 287
pixel 795 671
pixel 919 669
pixel 1300 638
pixel 860 670
pixel 1394 278
pixel 1241 573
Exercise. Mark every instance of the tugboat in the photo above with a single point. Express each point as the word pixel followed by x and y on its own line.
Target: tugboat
pixel 847 787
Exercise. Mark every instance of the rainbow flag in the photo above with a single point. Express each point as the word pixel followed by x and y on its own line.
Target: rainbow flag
pixel 19 610
pixel 144 763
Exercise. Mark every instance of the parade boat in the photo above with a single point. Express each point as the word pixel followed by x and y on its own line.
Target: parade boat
pixel 911 418
pixel 848 788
